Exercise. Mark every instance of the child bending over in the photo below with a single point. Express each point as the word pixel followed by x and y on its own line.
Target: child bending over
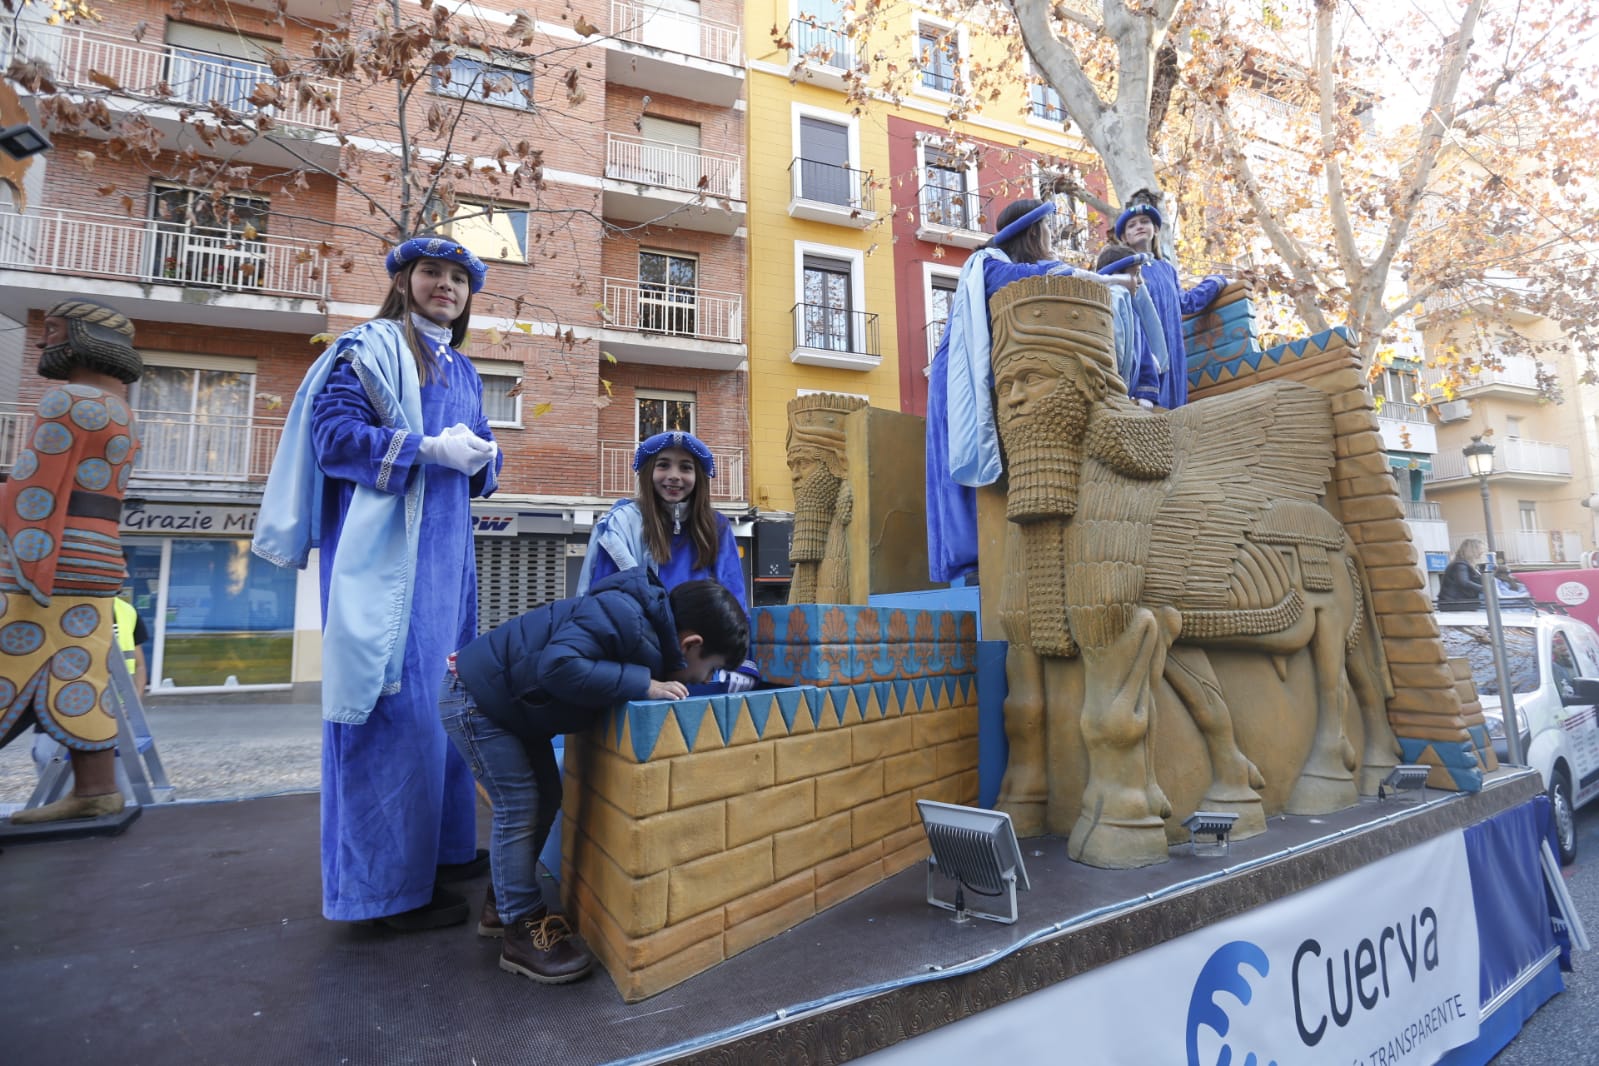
pixel 554 670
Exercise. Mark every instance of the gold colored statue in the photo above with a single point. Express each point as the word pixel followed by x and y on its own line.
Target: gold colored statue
pixel 823 503
pixel 1144 545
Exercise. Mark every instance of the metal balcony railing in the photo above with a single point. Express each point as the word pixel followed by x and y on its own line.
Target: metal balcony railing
pixel 1513 456
pixel 672 166
pixel 831 183
pixel 1515 371
pixel 1523 547
pixel 617 477
pixel 950 207
pixel 674 310
pixel 175 446
pixel 676 32
pixel 85 244
pixel 821 44
pixel 836 329
pixel 170 74
pixel 1403 412
pixel 1423 511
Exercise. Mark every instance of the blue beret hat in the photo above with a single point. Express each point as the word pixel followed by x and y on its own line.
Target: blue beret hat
pixel 1138 209
pixel 437 248
pixel 676 439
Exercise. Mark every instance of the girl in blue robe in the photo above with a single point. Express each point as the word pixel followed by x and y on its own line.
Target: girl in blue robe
pixel 384 446
pixel 671 527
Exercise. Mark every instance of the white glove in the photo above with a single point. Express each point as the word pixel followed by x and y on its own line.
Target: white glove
pixel 459 449
pixel 737 682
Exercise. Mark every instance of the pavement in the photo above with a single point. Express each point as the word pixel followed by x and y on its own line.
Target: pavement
pixel 214 747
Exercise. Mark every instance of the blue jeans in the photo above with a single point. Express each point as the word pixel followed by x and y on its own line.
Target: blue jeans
pixel 523 783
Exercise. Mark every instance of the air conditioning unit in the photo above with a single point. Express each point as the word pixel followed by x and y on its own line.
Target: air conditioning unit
pixel 1454 411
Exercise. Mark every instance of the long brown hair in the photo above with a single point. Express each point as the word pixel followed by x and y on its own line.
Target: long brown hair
pixel 658 520
pixel 397 305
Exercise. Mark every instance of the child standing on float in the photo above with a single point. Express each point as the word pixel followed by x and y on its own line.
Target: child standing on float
pixel 672 528
pixel 384 446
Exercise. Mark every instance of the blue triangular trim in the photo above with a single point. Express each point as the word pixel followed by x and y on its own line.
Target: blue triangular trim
pixel 902 689
pixel 725 708
pixel 644 720
pixel 789 702
pixel 760 705
pixel 882 688
pixel 920 687
pixel 832 706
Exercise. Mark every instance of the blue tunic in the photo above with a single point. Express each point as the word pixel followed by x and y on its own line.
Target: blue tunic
pixel 952 507
pixel 1171 304
pixel 397 799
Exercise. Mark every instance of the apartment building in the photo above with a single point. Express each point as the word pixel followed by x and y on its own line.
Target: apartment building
pixel 614 307
pixel 1545 461
pixel 862 212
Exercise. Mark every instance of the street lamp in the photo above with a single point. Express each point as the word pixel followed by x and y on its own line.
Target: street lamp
pixel 1480 461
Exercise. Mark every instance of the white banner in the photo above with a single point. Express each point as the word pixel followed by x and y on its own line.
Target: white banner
pixel 1374 968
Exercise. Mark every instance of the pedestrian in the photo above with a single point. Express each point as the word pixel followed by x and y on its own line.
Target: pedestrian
pixel 671 527
pixel 1140 343
pixel 387 441
pixel 1460 588
pixel 1137 227
pixel 61 562
pixel 962 443
pixel 554 670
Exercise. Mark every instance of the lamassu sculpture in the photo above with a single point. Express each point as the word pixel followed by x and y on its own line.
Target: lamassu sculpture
pixel 1144 547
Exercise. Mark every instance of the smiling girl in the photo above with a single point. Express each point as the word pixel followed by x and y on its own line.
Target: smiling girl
pixel 671 527
pixel 388 441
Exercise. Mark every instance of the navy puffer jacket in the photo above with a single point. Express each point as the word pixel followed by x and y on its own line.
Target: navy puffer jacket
pixel 555 668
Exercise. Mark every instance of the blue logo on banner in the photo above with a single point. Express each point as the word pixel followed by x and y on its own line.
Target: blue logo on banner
pixel 1224 972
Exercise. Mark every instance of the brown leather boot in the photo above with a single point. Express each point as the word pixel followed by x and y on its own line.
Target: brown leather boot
pixel 72 806
pixel 545 950
pixel 488 920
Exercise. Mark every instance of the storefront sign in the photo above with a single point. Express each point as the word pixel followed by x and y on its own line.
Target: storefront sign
pixel 1378 967
pixel 205 520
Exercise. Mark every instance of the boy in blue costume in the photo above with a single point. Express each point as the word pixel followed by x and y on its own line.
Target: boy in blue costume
pixel 385 444
pixel 554 670
pixel 1137 228
pixel 671 527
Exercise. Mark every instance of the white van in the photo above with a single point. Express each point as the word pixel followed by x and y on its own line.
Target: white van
pixel 1553 662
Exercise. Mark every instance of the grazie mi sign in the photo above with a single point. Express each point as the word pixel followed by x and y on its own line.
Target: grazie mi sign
pixel 206 520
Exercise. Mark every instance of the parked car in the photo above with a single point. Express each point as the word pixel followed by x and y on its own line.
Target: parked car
pixel 1553 663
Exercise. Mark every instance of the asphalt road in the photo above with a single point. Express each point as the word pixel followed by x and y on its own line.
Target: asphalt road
pixel 1566 1031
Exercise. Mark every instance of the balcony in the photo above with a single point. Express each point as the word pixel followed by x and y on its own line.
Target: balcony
pixel 670 185
pixel 1405 427
pixel 617 477
pixel 160 81
pixel 670 325
pixel 1514 460
pixel 1535 547
pixel 950 217
pixel 835 337
pixel 177 449
pixel 822 55
pixel 828 192
pixel 1516 377
pixel 1428 530
pixel 675 54
pixel 934 331
pixel 159 270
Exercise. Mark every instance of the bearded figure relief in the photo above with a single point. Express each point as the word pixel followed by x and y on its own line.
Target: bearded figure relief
pixel 823 505
pixel 1143 547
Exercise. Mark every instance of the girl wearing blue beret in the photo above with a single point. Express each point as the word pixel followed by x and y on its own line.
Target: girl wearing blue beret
pixel 385 445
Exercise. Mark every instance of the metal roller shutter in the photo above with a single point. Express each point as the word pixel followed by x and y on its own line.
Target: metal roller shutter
pixel 516 574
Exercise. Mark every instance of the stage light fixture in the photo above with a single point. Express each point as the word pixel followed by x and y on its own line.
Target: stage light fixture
pixel 1210 832
pixel 977 849
pixel 1406 777
pixel 23 140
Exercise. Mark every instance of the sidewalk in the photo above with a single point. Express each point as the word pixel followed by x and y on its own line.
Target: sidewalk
pixel 215 747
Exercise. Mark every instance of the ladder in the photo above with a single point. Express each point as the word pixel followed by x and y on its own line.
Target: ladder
pixel 140 775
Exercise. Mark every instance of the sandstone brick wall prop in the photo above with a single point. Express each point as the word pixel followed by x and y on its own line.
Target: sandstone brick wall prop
pixel 696 829
pixel 1434 726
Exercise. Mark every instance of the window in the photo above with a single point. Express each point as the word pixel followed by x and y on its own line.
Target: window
pixel 204 240
pixel 1527 512
pixel 1070 220
pixel 668 154
pixel 1513 427
pixel 825 173
pixel 659 412
pixel 827 297
pixel 668 292
pixel 937 49
pixel 499 378
pixel 946 190
pixel 491 231
pixel 1043 101
pixel 940 300
pixel 508 84
pixel 204 64
pixel 195 420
